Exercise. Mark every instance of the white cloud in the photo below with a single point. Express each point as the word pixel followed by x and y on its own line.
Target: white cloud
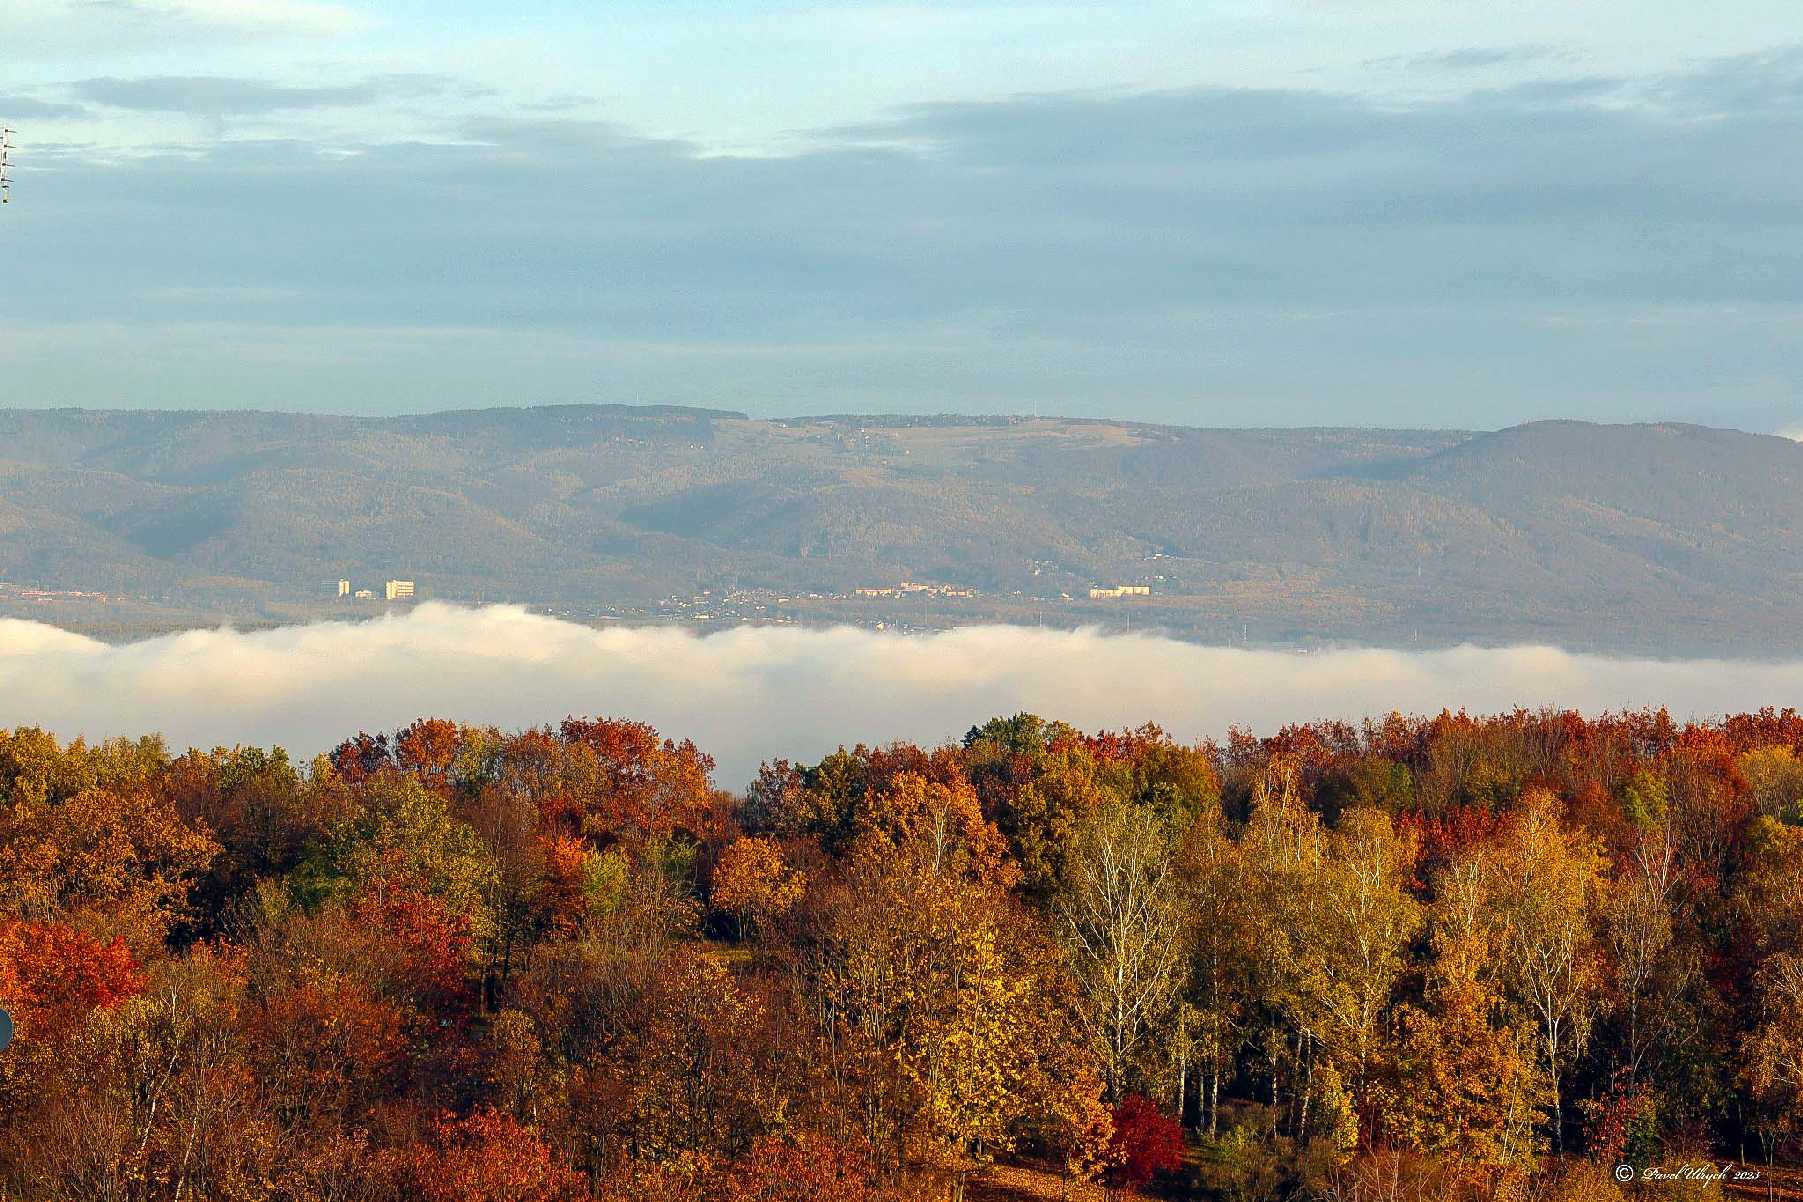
pixel 290 16
pixel 750 694
pixel 47 38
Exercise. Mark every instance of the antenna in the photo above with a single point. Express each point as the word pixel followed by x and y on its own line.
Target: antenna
pixel 6 181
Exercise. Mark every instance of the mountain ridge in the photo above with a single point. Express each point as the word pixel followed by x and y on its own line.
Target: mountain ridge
pixel 1581 533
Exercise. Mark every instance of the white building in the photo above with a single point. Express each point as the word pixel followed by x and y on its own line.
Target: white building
pixel 344 588
pixel 399 590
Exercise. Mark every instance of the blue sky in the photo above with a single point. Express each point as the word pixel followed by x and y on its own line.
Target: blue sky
pixel 1414 212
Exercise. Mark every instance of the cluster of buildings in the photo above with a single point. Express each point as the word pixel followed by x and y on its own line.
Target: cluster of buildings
pixel 1120 590
pixel 392 590
pixel 50 596
pixel 910 588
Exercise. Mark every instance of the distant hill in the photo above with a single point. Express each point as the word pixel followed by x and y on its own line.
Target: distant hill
pixel 1655 538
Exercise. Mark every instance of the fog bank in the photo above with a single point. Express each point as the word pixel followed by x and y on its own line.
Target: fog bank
pixel 754 693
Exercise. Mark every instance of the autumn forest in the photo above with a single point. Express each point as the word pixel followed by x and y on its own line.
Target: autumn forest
pixel 1422 958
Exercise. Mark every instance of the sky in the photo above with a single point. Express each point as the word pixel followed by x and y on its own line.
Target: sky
pixel 759 693
pixel 1246 212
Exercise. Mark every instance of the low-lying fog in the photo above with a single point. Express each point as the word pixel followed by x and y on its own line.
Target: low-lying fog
pixel 755 693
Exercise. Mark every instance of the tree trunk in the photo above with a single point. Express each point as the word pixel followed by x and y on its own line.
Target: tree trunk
pixel 1308 1089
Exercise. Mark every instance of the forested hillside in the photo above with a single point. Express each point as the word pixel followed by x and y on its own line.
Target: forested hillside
pixel 1445 958
pixel 1661 538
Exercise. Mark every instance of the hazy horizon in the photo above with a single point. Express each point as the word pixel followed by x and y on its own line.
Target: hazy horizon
pixel 1795 433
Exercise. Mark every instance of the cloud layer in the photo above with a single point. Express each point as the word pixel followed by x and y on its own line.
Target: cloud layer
pixel 751 694
pixel 1611 248
pixel 216 96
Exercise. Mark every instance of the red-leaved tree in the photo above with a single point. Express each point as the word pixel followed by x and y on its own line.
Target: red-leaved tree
pixel 1146 1142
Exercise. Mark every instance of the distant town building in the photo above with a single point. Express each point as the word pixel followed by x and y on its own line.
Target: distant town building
pixel 365 594
pixel 400 590
pixel 344 588
pixel 1121 590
